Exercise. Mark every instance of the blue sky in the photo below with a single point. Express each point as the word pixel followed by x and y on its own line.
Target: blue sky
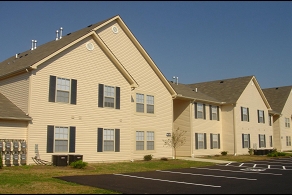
pixel 196 41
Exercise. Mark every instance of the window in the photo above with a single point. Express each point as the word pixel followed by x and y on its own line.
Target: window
pixel 150 104
pixel 108 96
pixel 140 140
pixel 215 141
pixel 262 141
pixel 261 116
pixel 200 110
pixel 287 122
pixel 214 112
pixel 201 142
pixel 271 141
pixel 245 140
pixel 108 140
pixel 288 140
pixel 244 114
pixel 62 90
pixel 140 103
pixel 60 139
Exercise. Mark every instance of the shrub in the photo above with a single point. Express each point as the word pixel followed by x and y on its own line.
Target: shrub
pixel 251 151
pixel 164 158
pixel 224 153
pixel 79 164
pixel 1 163
pixel 148 157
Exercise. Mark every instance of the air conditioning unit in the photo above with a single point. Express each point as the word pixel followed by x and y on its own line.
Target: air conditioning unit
pixel 74 157
pixel 60 160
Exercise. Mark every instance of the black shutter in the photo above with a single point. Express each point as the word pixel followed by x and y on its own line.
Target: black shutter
pixel 248 140
pixel 218 141
pixel 211 140
pixel 99 139
pixel 264 116
pixel 52 88
pixel 247 114
pixel 72 139
pixel 118 90
pixel 210 108
pixel 50 139
pixel 196 115
pixel 197 141
pixel 264 140
pixel 258 116
pixel 204 110
pixel 205 141
pixel 117 140
pixel 260 141
pixel 218 113
pixel 242 140
pixel 73 91
pixel 100 95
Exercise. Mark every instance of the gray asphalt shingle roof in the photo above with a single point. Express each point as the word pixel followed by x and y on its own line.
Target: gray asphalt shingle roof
pixel 30 57
pixel 224 90
pixel 277 97
pixel 8 110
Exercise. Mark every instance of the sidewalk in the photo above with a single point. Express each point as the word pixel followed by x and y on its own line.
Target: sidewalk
pixel 205 160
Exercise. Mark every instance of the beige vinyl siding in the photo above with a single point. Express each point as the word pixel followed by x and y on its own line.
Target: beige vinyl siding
pixel 206 126
pixel 13 130
pixel 251 98
pixel 89 68
pixel 149 83
pixel 228 122
pixel 277 132
pixel 286 131
pixel 16 89
pixel 181 120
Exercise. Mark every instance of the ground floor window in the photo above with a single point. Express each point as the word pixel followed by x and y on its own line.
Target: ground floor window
pixel 201 140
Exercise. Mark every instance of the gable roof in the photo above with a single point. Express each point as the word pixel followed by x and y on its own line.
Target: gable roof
pixel 8 110
pixel 30 59
pixel 228 90
pixel 277 97
pixel 186 92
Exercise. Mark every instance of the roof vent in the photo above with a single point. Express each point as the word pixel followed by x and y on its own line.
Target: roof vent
pixel 277 88
pixel 89 25
pixel 221 81
pixel 175 80
pixel 69 34
pixel 57 35
pixel 115 29
pixel 16 55
pixel 32 43
pixel 61 29
pixel 35 42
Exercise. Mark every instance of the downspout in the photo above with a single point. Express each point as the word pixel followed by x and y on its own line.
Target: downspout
pixel 191 129
pixel 234 131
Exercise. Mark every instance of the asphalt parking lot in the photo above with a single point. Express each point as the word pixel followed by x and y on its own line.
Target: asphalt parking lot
pixel 257 177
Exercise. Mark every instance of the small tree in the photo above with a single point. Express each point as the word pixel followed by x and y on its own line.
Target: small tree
pixel 176 140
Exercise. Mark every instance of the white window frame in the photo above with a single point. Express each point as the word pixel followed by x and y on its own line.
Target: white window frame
pixel 61 139
pixel 244 114
pixel 145 140
pixel 150 104
pixel 287 122
pixel 201 141
pixel 140 102
pixel 262 141
pixel 215 141
pixel 245 141
pixel 200 110
pixel 261 116
pixel 145 103
pixel 214 113
pixel 62 89
pixel 109 96
pixel 288 140
pixel 108 140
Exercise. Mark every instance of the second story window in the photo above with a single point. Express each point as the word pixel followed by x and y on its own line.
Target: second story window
pixel 214 112
pixel 261 116
pixel 108 96
pixel 143 104
pixel 287 122
pixel 244 114
pixel 62 90
pixel 200 110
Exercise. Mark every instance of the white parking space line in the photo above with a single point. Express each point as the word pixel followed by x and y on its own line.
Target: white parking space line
pixel 236 171
pixel 280 167
pixel 204 175
pixel 206 185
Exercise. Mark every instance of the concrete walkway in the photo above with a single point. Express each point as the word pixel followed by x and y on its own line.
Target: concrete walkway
pixel 205 160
